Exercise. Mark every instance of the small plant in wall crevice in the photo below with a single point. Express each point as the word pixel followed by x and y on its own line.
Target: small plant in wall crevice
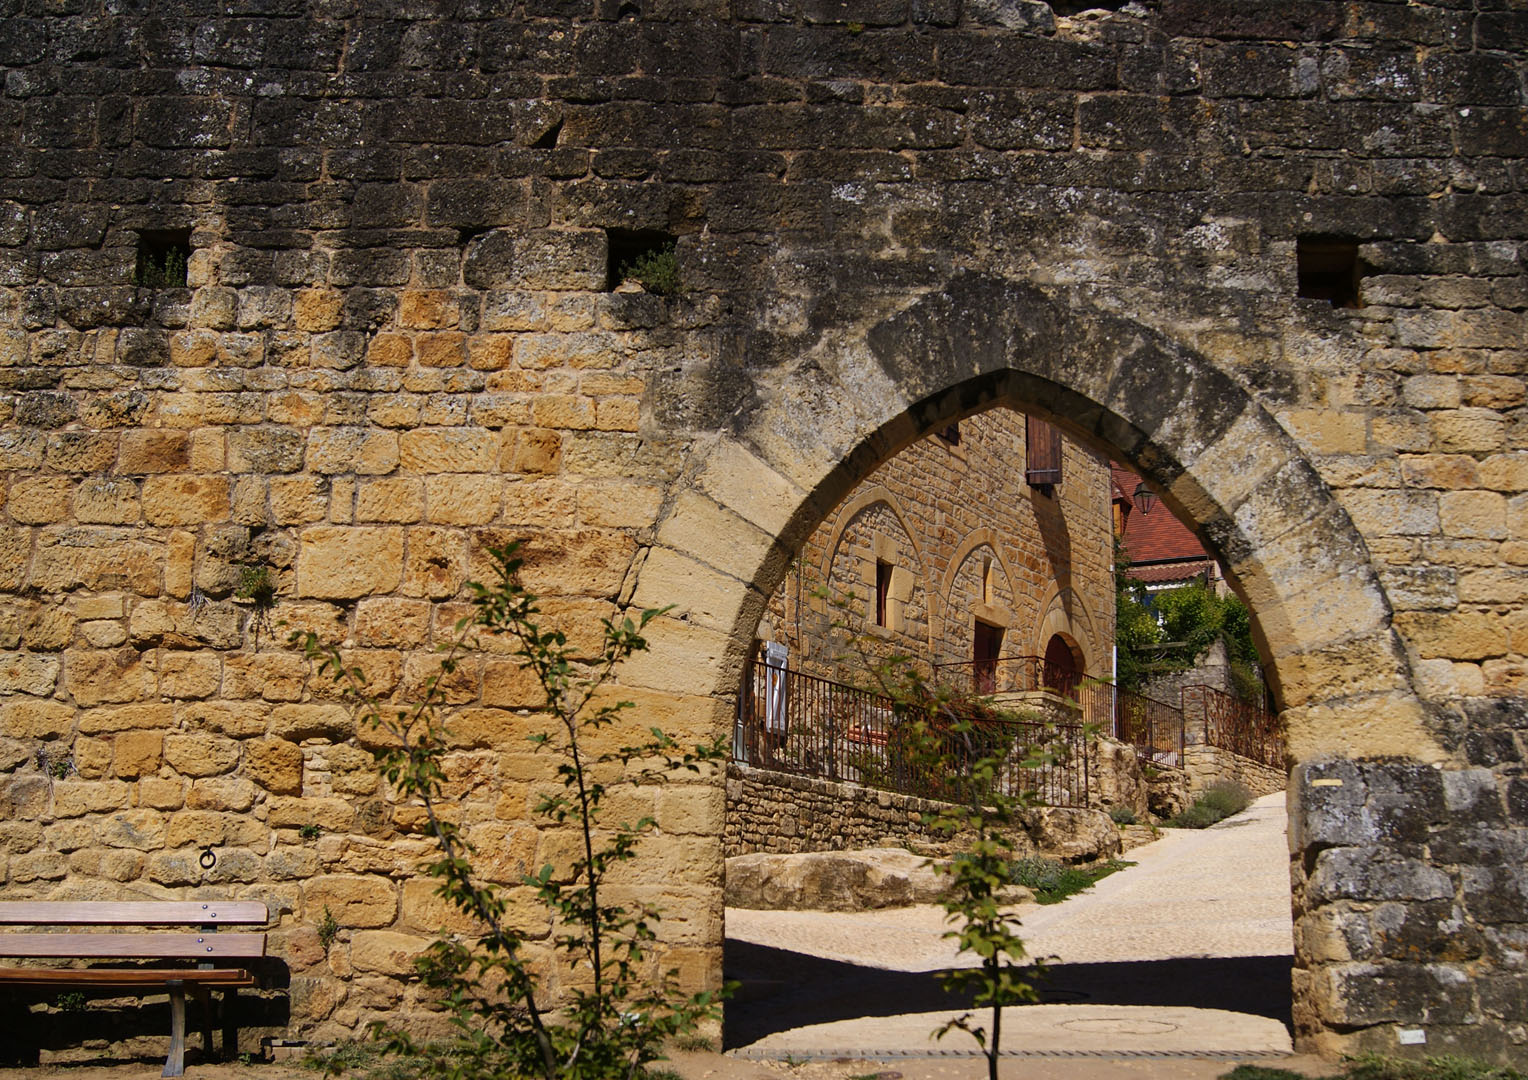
pixel 257 587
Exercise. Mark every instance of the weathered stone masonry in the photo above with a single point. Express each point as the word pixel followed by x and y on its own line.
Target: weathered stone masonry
pixel 396 346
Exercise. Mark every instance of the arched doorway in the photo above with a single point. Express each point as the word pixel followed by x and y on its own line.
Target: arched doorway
pixel 753 493
pixel 1063 671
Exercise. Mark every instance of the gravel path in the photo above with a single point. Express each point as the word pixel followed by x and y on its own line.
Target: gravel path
pixel 1168 930
pixel 1221 891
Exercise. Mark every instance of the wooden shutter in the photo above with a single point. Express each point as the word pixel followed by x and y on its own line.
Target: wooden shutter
pixel 1042 453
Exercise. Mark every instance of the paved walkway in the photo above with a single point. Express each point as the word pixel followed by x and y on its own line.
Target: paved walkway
pixel 1194 898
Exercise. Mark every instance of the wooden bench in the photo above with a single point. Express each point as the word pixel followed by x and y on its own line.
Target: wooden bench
pixel 173 954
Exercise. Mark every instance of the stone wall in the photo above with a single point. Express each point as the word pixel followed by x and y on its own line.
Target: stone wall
pixel 968 539
pixel 1206 765
pixel 783 814
pixel 398 343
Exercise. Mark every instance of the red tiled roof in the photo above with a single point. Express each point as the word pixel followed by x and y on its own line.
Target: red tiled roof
pixel 1156 536
pixel 1161 573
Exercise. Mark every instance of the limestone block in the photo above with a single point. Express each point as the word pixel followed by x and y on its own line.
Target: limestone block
pixel 109 676
pixel 75 798
pixel 270 675
pixel 533 451
pixel 618 505
pixel 173 868
pixel 1473 514
pixel 190 674
pixel 40 500
pixel 392 621
pixel 95 557
pixel 581 562
pixel 463 499
pixel 833 881
pixel 1468 430
pixel 19 836
pixel 386 951
pixel 343 563
pixel 196 827
pixel 288 863
pixel 332 815
pixel 142 829
pixel 185 499
pixel 691 808
pixel 265 449
pixel 15 555
pixel 1455 635
pixel 390 499
pixel 126 718
pixel 149 450
pixel 297 500
pixel 355 901
pixel 221 793
pixel 198 754
pixel 298 722
pixel 317 309
pixel 361 451
pixel 236 718
pixel 712 534
pixel 449 450
pixel 275 765
pixel 696 592
pixel 38 866
pixel 436 563
pixel 92 758
pixel 1445 471
pixel 26 796
pixel 161 794
pixel 545 503
pixel 423 911
pixel 26 718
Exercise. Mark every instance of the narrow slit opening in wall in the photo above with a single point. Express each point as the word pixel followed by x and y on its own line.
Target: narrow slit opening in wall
pixel 882 591
pixel 162 258
pixel 1328 268
pixel 629 251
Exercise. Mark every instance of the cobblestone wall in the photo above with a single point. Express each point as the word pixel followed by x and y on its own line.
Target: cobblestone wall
pixel 398 343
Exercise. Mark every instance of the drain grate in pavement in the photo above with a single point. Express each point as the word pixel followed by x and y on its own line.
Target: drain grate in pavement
pixel 758 1054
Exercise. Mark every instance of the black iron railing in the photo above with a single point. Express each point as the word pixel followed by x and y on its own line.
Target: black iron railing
pixel 1154 728
pixel 809 726
pixel 1236 725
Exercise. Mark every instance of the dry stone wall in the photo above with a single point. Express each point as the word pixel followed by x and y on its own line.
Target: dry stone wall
pixel 397 344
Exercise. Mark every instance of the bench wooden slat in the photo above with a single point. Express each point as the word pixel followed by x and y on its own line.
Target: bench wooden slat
pixel 215 978
pixel 131 912
pixel 207 946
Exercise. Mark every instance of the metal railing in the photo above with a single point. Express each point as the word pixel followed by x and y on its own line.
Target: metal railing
pixel 1236 725
pixel 809 726
pixel 1008 675
pixel 1155 728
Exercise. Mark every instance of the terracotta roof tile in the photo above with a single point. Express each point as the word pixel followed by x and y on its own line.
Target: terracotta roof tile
pixel 1155 536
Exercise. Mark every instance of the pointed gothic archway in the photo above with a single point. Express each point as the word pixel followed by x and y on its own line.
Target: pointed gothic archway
pixel 810 433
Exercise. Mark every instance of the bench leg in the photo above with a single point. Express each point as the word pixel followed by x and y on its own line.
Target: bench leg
pixel 228 1004
pixel 204 999
pixel 175 1063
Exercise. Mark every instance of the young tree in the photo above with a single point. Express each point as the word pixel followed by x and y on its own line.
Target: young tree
pixel 507 1025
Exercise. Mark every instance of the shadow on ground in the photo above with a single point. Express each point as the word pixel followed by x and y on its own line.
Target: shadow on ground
pixel 781 990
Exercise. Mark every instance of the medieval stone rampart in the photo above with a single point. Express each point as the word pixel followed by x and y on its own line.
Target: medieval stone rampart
pixel 397 344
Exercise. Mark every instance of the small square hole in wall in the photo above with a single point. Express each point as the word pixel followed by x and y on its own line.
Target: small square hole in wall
pixel 162 258
pixel 644 257
pixel 1329 269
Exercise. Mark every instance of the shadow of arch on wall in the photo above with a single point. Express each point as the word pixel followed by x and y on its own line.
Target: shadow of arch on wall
pixel 753 493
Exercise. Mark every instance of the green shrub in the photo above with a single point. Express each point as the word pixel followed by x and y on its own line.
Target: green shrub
pixel 1262 1072
pixel 1226 796
pixel 656 271
pixel 1197 816
pixel 1122 815
pixel 1053 881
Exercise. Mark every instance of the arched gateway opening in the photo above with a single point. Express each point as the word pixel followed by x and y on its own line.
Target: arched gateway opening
pixel 1219 460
